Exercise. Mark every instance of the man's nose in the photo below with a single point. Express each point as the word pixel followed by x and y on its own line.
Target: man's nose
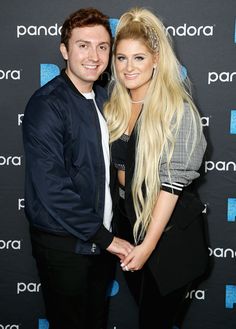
pixel 93 54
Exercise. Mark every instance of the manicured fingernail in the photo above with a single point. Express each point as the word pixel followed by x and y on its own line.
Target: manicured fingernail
pixel 122 264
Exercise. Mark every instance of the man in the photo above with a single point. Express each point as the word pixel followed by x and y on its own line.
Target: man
pixel 68 200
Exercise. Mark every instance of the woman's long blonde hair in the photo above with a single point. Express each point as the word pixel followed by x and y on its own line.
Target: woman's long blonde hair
pixel 161 115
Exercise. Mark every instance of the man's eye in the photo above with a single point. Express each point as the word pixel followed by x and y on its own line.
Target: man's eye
pixel 104 48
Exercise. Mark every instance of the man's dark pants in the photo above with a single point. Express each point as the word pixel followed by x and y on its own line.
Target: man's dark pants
pixel 74 287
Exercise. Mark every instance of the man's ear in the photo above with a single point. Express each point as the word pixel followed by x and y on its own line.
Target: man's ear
pixel 63 51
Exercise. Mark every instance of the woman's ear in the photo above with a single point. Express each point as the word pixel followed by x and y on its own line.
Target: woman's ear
pixel 155 60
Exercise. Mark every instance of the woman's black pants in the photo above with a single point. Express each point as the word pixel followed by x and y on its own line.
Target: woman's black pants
pixel 155 310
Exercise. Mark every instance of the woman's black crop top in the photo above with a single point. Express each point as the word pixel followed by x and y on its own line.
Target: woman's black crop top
pixel 119 152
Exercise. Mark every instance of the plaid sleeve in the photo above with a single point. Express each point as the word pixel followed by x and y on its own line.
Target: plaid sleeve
pixel 183 168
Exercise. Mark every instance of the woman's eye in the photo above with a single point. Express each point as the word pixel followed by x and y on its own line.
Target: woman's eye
pixel 139 58
pixel 121 58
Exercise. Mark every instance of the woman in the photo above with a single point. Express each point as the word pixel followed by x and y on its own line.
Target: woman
pixel 157 147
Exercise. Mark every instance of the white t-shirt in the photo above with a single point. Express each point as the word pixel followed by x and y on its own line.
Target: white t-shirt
pixel 107 216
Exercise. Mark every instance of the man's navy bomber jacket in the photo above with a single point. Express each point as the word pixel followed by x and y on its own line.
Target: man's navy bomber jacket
pixel 64 164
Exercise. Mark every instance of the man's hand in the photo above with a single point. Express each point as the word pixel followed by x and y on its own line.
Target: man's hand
pixel 120 247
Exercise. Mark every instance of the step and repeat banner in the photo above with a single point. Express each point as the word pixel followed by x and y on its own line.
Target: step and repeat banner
pixel 204 37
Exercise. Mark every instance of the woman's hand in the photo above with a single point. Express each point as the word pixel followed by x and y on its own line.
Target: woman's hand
pixel 136 258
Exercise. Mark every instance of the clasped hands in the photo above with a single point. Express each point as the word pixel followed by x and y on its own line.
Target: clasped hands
pixel 132 258
pixel 135 260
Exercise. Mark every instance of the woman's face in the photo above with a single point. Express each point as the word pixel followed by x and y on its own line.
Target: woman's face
pixel 134 65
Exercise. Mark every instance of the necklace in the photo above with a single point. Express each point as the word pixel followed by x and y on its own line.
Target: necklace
pixel 137 102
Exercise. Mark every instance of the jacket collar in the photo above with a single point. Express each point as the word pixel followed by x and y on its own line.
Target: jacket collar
pixel 98 97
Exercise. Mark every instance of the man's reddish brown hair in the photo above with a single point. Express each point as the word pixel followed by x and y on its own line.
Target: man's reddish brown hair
pixel 82 18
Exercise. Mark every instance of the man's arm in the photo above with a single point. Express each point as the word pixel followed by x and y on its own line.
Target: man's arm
pixel 43 129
